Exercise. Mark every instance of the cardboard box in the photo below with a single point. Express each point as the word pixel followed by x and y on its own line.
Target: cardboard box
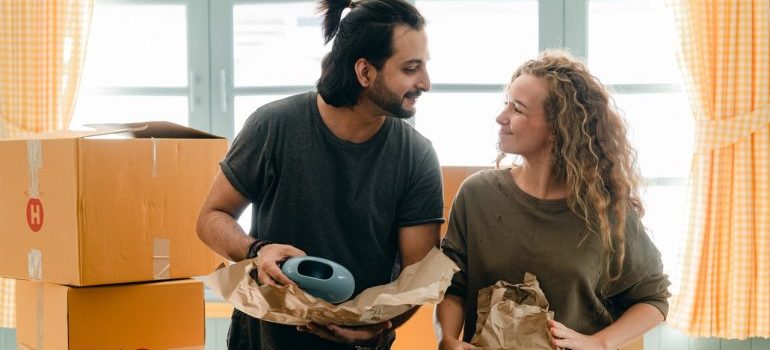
pixel 100 207
pixel 156 315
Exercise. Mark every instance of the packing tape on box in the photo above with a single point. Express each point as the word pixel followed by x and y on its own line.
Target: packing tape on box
pixel 39 311
pixel 35 264
pixel 34 162
pixel 38 321
pixel 154 157
pixel 160 258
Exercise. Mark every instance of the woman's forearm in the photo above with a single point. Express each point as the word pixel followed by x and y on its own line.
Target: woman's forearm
pixel 636 321
pixel 448 320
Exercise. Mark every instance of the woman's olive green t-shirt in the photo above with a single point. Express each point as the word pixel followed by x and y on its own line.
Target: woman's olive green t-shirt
pixel 498 232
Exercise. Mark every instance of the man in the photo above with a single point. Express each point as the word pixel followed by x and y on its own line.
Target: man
pixel 336 174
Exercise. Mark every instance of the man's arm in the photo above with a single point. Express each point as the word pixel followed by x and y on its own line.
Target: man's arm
pixel 217 222
pixel 414 243
pixel 218 228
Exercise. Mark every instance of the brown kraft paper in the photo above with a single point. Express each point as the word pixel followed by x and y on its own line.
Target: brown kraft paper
pixel 420 283
pixel 513 317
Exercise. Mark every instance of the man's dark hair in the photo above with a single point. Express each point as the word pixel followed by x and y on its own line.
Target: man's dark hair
pixel 365 32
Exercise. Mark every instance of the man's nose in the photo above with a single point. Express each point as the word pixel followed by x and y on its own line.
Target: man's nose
pixel 424 83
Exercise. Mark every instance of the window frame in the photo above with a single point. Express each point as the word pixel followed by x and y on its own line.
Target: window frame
pixel 197 63
pixel 211 92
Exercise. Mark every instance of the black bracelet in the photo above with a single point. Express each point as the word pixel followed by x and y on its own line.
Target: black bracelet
pixel 256 246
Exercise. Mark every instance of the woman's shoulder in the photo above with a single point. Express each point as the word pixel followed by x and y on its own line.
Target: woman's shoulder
pixel 483 179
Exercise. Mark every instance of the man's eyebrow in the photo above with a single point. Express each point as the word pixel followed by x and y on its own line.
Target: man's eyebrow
pixel 414 61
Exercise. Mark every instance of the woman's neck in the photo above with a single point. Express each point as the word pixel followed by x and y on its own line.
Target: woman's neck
pixel 537 180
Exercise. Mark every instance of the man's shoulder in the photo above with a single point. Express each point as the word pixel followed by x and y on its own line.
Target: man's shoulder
pixel 299 104
pixel 277 112
pixel 406 131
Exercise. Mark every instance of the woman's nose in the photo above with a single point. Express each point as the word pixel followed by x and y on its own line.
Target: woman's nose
pixel 501 119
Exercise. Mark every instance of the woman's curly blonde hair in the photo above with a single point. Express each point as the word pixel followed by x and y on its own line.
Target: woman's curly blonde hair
pixel 591 153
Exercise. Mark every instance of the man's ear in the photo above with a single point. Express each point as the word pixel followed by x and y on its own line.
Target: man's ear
pixel 365 72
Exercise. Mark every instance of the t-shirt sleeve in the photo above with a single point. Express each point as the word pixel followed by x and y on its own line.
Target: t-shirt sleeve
pixel 423 200
pixel 454 245
pixel 642 280
pixel 247 163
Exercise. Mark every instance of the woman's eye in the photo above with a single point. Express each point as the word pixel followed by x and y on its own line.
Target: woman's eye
pixel 512 105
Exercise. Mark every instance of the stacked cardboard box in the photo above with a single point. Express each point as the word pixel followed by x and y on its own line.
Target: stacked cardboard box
pixel 159 315
pixel 85 209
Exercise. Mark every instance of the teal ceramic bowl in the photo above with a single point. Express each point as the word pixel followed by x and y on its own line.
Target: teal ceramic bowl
pixel 320 277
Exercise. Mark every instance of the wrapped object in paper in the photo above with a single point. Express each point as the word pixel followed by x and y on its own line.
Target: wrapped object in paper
pixel 513 317
pixel 420 283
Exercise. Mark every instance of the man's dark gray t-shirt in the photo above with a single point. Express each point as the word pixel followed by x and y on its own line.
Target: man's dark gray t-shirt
pixel 329 197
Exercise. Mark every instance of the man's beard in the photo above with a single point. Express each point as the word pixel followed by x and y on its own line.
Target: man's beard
pixel 389 101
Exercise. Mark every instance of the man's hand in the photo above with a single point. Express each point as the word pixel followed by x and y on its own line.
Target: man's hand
pixel 453 344
pixel 564 337
pixel 358 335
pixel 269 257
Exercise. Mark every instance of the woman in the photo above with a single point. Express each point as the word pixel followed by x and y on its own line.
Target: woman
pixel 568 211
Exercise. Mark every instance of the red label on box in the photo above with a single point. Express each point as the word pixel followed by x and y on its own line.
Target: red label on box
pixel 35 214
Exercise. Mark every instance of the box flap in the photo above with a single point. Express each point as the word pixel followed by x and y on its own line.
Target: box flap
pixel 156 129
pixel 69 134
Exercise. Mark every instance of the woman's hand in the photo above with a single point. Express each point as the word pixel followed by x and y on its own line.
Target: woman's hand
pixel 564 337
pixel 453 344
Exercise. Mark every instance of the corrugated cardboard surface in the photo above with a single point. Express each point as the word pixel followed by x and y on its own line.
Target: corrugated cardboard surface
pixel 156 315
pixel 115 210
pixel 57 239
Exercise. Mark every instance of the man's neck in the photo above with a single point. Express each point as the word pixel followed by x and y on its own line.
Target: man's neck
pixel 356 124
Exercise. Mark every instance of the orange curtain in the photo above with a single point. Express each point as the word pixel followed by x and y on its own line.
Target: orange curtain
pixel 42 44
pixel 725 56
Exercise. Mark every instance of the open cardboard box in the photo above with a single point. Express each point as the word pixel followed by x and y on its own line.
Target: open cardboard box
pixel 106 206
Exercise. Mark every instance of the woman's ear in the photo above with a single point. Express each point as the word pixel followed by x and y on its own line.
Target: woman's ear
pixel 365 72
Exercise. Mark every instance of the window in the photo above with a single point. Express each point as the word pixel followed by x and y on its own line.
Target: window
pixel 290 34
pixel 144 62
pixel 474 47
pixel 211 63
pixel 632 48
